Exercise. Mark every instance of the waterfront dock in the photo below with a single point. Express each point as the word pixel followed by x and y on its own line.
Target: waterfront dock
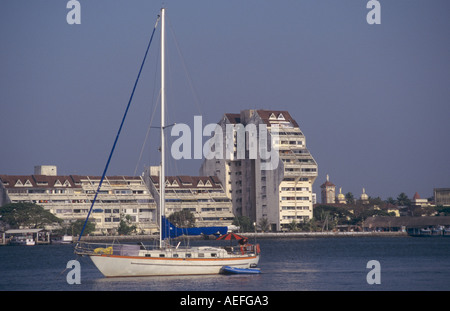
pixel 252 235
pixel 325 234
pixel 39 236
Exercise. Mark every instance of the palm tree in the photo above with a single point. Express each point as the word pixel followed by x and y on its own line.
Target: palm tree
pixel 349 197
pixel 264 224
pixel 390 200
pixel 293 226
pixel 403 200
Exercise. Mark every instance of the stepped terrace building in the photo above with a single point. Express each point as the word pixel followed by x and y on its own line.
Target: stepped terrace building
pixel 278 196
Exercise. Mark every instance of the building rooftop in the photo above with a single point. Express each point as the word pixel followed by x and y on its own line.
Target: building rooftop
pixel 327 183
pixel 276 116
pixel 46 181
pixel 189 181
pixel 234 118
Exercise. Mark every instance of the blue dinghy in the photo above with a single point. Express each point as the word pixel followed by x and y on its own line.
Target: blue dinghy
pixel 234 270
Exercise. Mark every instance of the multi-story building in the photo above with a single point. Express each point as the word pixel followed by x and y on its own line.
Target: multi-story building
pixel 70 198
pixel 278 194
pixel 442 196
pixel 204 196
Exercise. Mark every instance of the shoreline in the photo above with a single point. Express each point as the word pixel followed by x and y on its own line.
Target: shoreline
pixel 258 235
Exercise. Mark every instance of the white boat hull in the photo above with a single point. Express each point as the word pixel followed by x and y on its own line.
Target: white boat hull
pixel 118 266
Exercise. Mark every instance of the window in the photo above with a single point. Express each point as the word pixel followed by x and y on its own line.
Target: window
pixel 288 179
pixel 35 191
pixel 302 189
pixel 288 208
pixel 308 169
pixel 295 198
pixel 123 192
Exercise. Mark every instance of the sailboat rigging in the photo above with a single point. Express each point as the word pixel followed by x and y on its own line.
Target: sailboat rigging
pixel 139 260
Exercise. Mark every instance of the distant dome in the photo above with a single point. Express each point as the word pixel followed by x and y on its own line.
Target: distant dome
pixel 364 196
pixel 341 196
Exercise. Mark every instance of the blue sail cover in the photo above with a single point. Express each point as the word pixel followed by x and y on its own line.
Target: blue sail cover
pixel 169 230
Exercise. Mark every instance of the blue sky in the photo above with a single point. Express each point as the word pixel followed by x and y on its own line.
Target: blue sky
pixel 372 100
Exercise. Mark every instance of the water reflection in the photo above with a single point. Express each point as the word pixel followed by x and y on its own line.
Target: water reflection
pixel 178 283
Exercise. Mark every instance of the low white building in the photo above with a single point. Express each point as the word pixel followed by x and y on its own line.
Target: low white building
pixel 70 198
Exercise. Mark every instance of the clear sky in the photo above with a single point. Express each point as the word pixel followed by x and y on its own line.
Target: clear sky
pixel 372 100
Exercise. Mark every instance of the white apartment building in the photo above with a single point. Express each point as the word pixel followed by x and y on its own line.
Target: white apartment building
pixel 204 196
pixel 70 198
pixel 281 195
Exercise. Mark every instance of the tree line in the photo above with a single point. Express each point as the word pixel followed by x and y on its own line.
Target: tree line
pixel 325 217
pixel 34 216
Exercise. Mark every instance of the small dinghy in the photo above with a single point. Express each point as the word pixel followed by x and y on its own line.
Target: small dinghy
pixel 234 270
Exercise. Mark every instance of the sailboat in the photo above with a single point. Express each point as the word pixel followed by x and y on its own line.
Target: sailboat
pixel 118 260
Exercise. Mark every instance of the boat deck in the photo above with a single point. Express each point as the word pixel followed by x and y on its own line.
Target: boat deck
pixel 168 252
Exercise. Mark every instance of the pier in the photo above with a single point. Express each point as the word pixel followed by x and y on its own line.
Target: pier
pixel 4 240
pixel 39 236
pixel 325 234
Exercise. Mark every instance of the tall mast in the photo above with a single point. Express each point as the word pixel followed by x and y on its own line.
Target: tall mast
pixel 162 181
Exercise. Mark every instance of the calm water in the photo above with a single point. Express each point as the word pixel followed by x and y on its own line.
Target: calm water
pixel 318 264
